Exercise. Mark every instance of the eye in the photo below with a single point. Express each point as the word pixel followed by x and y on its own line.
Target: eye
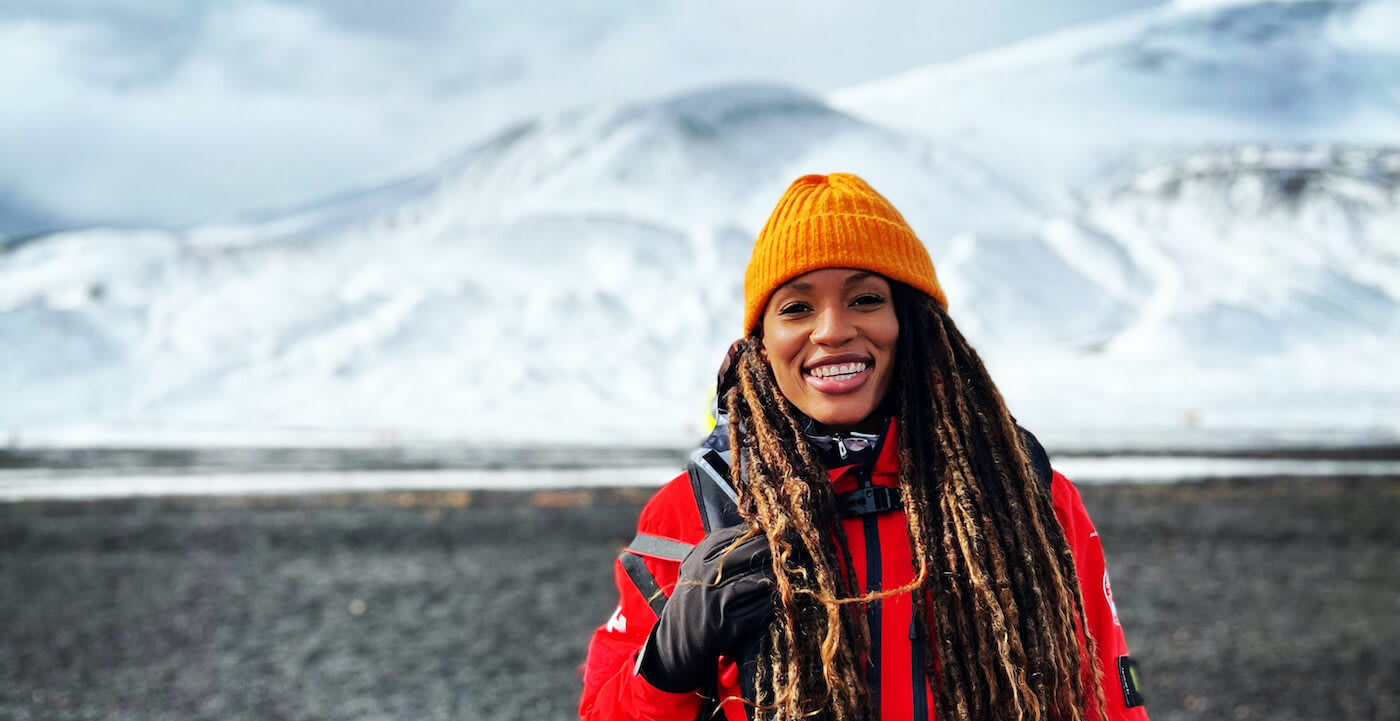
pixel 794 308
pixel 868 299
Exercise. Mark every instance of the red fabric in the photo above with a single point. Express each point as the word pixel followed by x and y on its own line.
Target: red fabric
pixel 1098 599
pixel 612 690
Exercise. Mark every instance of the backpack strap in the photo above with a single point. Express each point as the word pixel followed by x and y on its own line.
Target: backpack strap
pixel 632 559
pixel 718 506
pixel 1040 460
pixel 645 544
pixel 714 497
pixel 646 583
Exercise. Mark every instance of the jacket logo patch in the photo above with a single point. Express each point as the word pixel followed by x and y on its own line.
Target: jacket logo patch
pixel 618 622
pixel 1128 677
pixel 1108 594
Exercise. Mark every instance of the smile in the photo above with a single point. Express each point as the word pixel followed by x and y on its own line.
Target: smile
pixel 837 377
pixel 838 371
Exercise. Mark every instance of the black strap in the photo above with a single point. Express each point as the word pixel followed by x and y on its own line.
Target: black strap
pixel 641 577
pixel 707 470
pixel 714 497
pixel 697 490
pixel 868 500
pixel 646 544
pixel 1040 460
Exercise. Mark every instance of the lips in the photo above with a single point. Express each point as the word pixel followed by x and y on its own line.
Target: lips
pixel 838 375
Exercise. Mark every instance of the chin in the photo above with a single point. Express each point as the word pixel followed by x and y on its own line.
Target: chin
pixel 842 418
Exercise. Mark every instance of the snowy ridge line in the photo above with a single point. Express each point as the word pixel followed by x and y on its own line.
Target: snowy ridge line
pixel 26 486
pixel 1361 173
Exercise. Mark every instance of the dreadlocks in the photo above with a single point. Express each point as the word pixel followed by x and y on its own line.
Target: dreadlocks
pixel 997 602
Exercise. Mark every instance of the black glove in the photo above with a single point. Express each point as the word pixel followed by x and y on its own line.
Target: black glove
pixel 705 619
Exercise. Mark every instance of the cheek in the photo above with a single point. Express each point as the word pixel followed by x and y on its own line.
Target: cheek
pixel 778 350
pixel 778 360
pixel 889 331
pixel 886 336
pixel 779 344
pixel 883 333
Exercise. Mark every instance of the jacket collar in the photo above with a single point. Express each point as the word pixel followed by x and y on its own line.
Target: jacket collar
pixel 884 471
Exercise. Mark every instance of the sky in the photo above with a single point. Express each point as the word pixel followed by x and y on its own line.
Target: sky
pixel 171 112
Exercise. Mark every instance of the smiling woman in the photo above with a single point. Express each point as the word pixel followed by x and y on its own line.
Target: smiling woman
pixel 830 338
pixel 889 544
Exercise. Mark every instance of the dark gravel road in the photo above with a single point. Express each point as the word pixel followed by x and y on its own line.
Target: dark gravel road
pixel 1271 599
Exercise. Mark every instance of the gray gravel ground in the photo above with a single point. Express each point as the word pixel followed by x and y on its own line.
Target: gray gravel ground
pixel 1269 599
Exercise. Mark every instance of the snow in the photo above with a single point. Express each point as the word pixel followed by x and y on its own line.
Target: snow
pixel 1065 106
pixel 1197 236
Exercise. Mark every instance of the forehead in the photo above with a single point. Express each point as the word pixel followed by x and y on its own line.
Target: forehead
pixel 832 278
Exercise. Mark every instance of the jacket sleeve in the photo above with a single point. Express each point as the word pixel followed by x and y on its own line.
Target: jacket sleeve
pixel 1099 608
pixel 611 687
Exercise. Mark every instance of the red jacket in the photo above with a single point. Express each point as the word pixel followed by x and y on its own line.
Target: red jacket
pixel 612 689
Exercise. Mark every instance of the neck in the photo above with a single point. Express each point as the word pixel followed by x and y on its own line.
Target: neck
pixel 875 424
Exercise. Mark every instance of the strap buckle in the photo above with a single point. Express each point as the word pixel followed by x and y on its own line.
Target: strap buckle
pixel 871 499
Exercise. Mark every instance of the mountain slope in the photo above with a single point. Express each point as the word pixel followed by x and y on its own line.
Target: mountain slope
pixel 1062 107
pixel 575 276
pixel 578 277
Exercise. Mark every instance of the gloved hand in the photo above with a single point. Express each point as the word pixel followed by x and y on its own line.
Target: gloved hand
pixel 705 619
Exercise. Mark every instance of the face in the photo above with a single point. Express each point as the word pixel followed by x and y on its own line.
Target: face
pixel 830 338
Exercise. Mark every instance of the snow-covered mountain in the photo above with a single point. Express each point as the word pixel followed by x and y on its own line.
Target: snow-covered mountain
pixel 1195 261
pixel 577 277
pixel 1226 172
pixel 1070 105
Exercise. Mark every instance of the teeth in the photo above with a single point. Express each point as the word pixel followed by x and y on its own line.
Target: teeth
pixel 838 370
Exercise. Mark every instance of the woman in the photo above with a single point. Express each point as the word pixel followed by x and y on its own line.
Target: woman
pixel 897 555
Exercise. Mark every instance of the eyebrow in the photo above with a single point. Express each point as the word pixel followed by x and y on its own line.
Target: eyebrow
pixel 852 279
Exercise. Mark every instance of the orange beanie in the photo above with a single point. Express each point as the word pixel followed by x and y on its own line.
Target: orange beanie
pixel 834 221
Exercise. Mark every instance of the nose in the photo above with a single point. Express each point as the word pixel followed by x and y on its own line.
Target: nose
pixel 833 328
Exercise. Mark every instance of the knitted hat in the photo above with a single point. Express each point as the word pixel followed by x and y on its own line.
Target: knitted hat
pixel 834 221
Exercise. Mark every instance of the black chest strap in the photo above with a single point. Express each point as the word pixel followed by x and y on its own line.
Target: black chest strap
pixel 868 500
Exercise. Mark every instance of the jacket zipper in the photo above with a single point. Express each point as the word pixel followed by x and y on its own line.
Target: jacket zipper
pixel 872 583
pixel 920 684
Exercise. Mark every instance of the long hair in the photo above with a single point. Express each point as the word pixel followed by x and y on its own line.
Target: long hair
pixel 996 597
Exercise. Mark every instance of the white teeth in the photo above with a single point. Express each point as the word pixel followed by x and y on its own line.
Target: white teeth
pixel 840 371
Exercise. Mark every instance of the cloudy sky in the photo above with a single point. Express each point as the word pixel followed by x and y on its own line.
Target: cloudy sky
pixel 167 112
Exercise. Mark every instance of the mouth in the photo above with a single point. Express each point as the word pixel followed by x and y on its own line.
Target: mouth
pixel 838 377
